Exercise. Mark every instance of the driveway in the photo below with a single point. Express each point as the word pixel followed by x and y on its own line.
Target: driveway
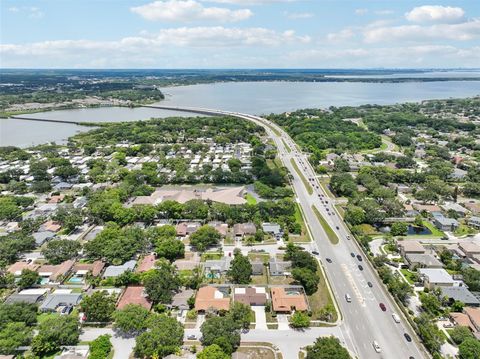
pixel 260 318
pixel 283 323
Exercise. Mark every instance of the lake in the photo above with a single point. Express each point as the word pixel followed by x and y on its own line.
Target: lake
pixel 249 97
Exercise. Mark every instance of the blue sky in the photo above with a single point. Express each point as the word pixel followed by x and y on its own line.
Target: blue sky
pixel 239 33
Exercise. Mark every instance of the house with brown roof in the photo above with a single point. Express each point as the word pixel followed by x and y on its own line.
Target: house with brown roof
pixel 212 298
pixel 55 272
pixel 474 315
pixel 469 248
pixel 222 228
pixel 95 268
pixel 288 299
pixel 429 208
pixel 51 226
pixel 186 228
pixel 146 263
pixel 241 230
pixel 250 295
pixel 462 320
pixel 473 207
pixel 56 198
pixel 134 295
pixel 17 267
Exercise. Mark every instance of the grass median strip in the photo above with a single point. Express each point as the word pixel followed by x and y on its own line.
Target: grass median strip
pixel 302 177
pixel 332 236
pixel 286 146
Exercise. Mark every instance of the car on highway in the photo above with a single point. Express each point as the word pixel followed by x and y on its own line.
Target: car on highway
pixel 376 346
pixel 408 338
pixel 359 257
pixel 383 307
pixel 352 254
pixel 192 337
pixel 337 227
pixel 348 237
pixel 370 284
pixel 360 267
pixel 348 298
pixel 315 252
pixel 328 260
pixel 396 318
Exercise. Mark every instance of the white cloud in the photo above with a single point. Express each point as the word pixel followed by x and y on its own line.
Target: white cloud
pixel 189 37
pixel 32 12
pixel 435 14
pixel 384 12
pixel 298 15
pixel 188 10
pixel 361 11
pixel 342 35
pixel 416 33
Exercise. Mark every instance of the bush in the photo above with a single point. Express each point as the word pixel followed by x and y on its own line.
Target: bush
pixel 100 347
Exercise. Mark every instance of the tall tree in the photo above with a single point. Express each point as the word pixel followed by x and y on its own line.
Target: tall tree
pixel 240 271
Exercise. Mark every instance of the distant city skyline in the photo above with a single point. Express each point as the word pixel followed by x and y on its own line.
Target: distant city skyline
pixel 239 34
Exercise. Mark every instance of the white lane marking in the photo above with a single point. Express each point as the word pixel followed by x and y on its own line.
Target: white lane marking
pixel 348 274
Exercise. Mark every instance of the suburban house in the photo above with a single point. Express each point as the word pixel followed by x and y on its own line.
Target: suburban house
pixel 257 267
pixel 271 228
pixel 250 295
pixel 462 320
pixel 54 273
pixel 115 271
pixel 59 298
pixel 410 247
pixel 42 236
pixel 221 227
pixel 180 299
pixel 240 230
pixel 474 315
pixel 279 268
pixel 436 277
pixel 186 228
pixel 95 268
pixel 212 298
pixel 474 222
pixel 214 268
pixel 469 248
pixel 134 295
pixel 458 209
pixel 462 294
pixel 286 300
pixel 146 263
pixel 31 296
pixel 50 226
pixel 422 261
pixel 17 267
pixel 443 223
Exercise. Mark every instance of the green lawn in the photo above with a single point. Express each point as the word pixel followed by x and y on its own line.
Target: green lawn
pixel 302 177
pixel 408 275
pixel 464 230
pixel 286 146
pixel 332 236
pixel 304 236
pixel 435 231
pixel 250 199
pixel 211 256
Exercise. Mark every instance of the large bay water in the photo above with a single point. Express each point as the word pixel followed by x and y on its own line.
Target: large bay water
pixel 249 97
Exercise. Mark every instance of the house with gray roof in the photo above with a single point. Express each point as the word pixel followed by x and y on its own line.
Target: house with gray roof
pixel 271 228
pixel 422 261
pixel 443 223
pixel 42 236
pixel 55 300
pixel 115 271
pixel 214 268
pixel 279 268
pixel 461 294
pixel 257 268
pixel 436 277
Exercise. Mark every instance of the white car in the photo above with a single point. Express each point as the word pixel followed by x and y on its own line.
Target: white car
pixel 396 318
pixel 348 298
pixel 376 346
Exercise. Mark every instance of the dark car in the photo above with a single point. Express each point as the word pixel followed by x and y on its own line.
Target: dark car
pixel 370 284
pixel 328 260
pixel 383 307
pixel 337 227
pixel 315 252
pixel 359 257
pixel 352 254
pixel 192 337
pixel 360 267
pixel 407 337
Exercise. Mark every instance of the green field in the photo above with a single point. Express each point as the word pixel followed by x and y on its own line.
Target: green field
pixel 250 199
pixel 332 236
pixel 302 177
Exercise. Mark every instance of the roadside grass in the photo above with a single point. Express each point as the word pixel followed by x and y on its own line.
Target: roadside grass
pixel 321 298
pixel 324 181
pixel 304 235
pixel 260 257
pixel 250 199
pixel 228 240
pixel 332 237
pixel 275 131
pixel 302 177
pixel 211 256
pixel 253 352
pixel 286 146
